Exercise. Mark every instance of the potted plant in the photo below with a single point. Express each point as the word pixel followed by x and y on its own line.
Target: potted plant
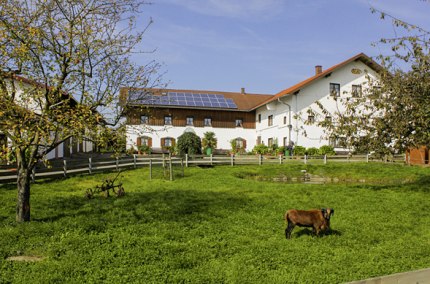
pixel 209 142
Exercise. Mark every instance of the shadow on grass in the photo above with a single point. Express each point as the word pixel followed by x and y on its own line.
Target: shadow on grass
pixel 309 232
pixel 155 206
pixel 420 184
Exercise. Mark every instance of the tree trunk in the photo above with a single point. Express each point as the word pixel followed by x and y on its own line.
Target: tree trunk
pixel 23 201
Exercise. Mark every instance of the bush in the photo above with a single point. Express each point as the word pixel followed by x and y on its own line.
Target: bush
pixel 189 143
pixel 312 151
pixel 145 149
pixel 327 150
pixel 299 151
pixel 260 149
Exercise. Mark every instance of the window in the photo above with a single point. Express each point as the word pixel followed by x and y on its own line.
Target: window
pixel 285 141
pixel 168 142
pixel 190 120
pixel 240 143
pixel 259 118
pixel 334 90
pixel 144 119
pixel 168 120
pixel 208 121
pixel 144 140
pixel 239 122
pixel 258 140
pixel 270 120
pixel 337 142
pixel 270 142
pixel 285 120
pixel 311 118
pixel 356 91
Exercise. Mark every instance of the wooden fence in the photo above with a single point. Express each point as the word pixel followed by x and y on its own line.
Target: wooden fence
pixel 66 168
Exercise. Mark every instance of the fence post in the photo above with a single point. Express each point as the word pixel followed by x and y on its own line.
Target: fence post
pixel 90 166
pixel 134 160
pixel 260 159
pixel 65 168
pixel 117 164
pixel 325 159
pixel 280 159
pixel 170 168
pixel 33 174
pixel 367 157
pixel 150 169
pixel 305 160
pixel 182 166
pixel 186 160
pixel 232 159
pixel 211 159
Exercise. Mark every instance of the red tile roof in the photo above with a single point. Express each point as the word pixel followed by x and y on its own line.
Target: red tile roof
pixel 361 57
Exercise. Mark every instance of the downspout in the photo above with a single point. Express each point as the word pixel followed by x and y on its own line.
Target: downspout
pixel 290 126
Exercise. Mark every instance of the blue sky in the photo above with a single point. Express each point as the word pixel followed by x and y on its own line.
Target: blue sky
pixel 264 46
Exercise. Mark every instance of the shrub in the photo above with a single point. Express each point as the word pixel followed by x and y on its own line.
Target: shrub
pixel 299 151
pixel 260 149
pixel 312 151
pixel 145 149
pixel 189 143
pixel 327 150
pixel 209 140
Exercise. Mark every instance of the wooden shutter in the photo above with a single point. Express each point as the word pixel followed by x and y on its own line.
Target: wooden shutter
pixel 163 142
pixel 173 142
pixel 138 141
pixel 244 144
pixel 149 142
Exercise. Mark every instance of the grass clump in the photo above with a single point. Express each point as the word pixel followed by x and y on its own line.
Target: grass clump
pixel 215 226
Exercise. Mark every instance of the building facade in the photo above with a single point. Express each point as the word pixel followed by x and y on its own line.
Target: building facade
pixel 159 117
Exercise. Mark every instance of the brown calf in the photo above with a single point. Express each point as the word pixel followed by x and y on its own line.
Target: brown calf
pixel 318 219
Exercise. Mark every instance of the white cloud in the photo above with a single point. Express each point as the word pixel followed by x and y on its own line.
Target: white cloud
pixel 233 8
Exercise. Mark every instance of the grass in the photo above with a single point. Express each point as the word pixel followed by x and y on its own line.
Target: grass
pixel 216 225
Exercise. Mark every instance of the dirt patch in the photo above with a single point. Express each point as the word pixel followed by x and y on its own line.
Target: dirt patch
pixel 28 258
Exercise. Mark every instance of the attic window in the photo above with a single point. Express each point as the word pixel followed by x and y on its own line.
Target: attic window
pixel 356 91
pixel 311 118
pixel 334 90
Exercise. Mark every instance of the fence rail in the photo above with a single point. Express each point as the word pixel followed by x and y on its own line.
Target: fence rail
pixel 66 168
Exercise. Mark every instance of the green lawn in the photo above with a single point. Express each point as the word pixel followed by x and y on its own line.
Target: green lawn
pixel 221 225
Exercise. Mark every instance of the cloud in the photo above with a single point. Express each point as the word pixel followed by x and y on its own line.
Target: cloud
pixel 233 8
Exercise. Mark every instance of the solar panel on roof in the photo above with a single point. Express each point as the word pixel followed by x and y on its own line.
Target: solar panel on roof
pixel 183 99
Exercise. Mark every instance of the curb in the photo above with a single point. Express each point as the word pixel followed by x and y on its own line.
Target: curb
pixel 421 276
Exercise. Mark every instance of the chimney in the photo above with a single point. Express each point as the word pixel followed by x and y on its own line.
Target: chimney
pixel 318 69
pixel 242 91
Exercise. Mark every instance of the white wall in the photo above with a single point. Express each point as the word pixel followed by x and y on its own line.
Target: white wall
pixel 305 99
pixel 224 135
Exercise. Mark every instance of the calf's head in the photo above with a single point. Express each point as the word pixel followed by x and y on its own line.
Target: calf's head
pixel 327 212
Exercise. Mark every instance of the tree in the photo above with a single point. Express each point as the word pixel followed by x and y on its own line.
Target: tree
pixel 62 64
pixel 209 140
pixel 392 113
pixel 189 143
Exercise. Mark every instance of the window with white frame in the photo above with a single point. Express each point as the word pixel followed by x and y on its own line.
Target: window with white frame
pixel 168 120
pixel 190 120
pixel 208 121
pixel 239 122
pixel 144 119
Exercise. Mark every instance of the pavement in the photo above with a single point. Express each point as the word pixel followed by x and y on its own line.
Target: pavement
pixel 421 276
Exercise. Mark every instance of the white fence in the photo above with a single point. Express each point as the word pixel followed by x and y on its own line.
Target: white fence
pixel 66 168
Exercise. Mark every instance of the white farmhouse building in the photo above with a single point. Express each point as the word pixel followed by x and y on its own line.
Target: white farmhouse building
pixel 159 117
pixel 64 149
